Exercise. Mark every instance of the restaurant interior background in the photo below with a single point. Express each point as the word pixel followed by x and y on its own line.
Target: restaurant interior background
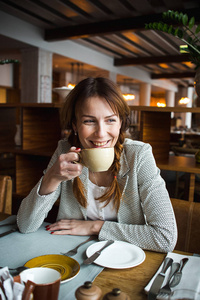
pixel 61 42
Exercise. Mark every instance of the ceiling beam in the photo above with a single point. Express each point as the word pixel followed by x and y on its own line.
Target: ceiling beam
pixel 107 27
pixel 150 60
pixel 99 28
pixel 173 75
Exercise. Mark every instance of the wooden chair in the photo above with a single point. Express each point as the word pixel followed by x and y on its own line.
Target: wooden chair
pixel 5 194
pixel 188 222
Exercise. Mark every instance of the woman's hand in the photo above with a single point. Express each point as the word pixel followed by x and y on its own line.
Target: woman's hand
pixel 63 169
pixel 75 227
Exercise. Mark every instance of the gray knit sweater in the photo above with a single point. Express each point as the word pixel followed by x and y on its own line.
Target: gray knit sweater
pixel 145 216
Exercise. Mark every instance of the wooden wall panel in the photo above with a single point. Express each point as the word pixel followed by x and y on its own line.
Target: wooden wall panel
pixel 29 169
pixel 8 127
pixel 41 128
pixel 155 130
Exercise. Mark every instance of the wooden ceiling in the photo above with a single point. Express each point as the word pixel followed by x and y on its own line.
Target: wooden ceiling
pixel 115 28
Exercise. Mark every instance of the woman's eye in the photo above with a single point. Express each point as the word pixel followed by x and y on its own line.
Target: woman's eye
pixel 111 120
pixel 88 121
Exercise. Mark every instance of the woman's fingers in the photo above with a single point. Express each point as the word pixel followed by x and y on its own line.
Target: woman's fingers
pixel 74 227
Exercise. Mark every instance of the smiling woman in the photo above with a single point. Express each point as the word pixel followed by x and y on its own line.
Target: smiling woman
pixel 128 202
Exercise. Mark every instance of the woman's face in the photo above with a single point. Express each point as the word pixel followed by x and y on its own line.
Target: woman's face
pixel 97 124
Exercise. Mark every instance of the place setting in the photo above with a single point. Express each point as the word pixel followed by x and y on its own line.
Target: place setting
pixel 82 259
pixel 103 253
pixel 112 256
pixel 177 277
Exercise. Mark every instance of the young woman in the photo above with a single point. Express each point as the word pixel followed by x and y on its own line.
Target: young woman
pixel 129 202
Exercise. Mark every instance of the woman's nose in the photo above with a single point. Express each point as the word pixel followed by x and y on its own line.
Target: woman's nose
pixel 100 130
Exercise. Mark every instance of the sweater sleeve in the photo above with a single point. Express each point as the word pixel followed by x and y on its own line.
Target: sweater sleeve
pixel 34 208
pixel 158 230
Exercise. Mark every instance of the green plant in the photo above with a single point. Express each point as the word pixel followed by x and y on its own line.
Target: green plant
pixel 179 25
pixel 8 61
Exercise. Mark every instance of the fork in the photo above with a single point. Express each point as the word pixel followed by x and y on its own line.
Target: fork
pixel 166 290
pixel 75 250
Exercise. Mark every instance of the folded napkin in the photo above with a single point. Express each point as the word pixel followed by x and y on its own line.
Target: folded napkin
pixel 190 274
pixel 9 290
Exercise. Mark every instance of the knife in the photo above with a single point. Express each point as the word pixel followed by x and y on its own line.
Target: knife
pixel 177 277
pixel 94 256
pixel 8 232
pixel 8 224
pixel 156 285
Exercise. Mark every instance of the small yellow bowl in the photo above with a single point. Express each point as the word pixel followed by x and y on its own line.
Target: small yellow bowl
pixel 65 265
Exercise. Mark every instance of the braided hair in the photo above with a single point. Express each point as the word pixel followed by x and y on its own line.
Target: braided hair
pixel 104 88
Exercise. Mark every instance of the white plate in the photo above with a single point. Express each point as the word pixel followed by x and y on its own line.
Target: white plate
pixel 119 255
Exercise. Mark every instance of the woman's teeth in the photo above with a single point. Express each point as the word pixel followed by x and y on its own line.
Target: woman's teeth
pixel 99 144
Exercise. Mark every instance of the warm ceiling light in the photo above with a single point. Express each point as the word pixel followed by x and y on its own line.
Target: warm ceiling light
pixel 70 86
pixel 129 97
pixel 184 100
pixel 161 104
pixel 164 66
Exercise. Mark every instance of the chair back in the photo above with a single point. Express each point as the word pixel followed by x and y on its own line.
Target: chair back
pixel 6 194
pixel 187 215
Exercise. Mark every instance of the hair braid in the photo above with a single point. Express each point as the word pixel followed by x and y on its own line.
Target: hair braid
pixel 79 192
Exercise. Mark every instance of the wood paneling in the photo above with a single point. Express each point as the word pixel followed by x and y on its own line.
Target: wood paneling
pixel 41 128
pixel 155 130
pixel 8 127
pixel 29 169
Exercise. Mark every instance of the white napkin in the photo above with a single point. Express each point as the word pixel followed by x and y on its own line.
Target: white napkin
pixel 13 290
pixel 190 274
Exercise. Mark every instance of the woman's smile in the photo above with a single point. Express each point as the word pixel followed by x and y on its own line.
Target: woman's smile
pixel 99 144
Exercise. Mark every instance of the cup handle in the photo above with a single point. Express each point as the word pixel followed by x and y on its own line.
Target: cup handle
pixel 80 159
pixel 29 288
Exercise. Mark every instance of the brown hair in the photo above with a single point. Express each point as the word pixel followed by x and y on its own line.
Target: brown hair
pixel 108 90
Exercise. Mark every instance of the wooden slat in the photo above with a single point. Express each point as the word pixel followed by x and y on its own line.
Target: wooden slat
pixel 41 128
pixel 7 128
pixel 29 169
pixel 151 60
pixel 16 10
pixel 173 75
pixel 155 130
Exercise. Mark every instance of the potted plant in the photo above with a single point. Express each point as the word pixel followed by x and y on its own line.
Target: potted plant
pixel 8 61
pixel 181 26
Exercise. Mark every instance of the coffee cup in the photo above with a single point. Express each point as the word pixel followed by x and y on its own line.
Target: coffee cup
pixel 40 283
pixel 97 159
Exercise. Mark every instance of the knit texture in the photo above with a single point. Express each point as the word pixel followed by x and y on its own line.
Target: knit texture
pixel 145 216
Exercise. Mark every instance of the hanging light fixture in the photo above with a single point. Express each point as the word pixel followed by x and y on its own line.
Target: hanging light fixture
pixel 184 100
pixel 127 96
pixel 62 91
pixel 161 104
pixel 71 84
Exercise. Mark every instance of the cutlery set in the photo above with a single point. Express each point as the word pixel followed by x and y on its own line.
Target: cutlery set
pixel 173 279
pixel 75 250
pixel 94 256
